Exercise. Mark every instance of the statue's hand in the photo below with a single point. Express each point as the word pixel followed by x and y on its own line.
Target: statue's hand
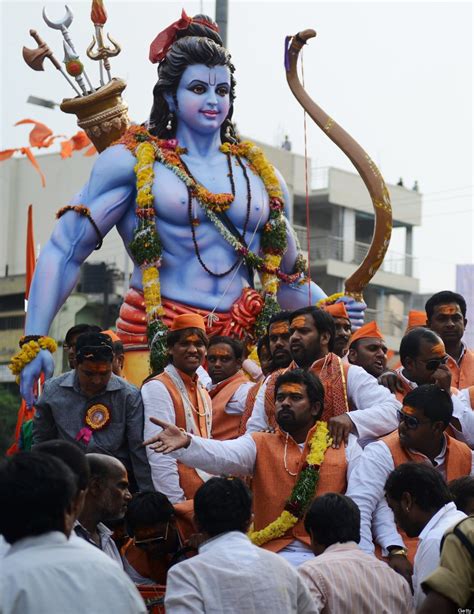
pixel 43 363
pixel 355 309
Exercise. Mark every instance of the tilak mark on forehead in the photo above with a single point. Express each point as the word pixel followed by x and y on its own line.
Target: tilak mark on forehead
pixel 409 411
pixel 298 322
pixel 217 352
pixel 291 388
pixel 448 310
pixel 438 349
pixel 192 338
pixel 279 328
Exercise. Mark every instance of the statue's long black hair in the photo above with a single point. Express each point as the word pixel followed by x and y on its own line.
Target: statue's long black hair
pixel 198 44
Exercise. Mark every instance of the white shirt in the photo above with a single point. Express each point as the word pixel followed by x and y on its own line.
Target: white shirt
pixel 427 554
pixel 46 574
pixel 157 402
pixel 366 488
pixel 376 407
pixel 230 575
pixel 107 544
pixel 236 404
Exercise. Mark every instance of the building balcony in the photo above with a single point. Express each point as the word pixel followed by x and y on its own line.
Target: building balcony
pixel 340 258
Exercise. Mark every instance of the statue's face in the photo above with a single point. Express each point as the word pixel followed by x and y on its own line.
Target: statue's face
pixel 203 97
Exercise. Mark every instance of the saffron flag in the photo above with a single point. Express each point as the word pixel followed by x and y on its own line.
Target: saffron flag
pixel 25 414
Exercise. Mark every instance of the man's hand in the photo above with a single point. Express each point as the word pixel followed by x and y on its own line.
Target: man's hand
pixel 442 378
pixel 339 429
pixel 168 440
pixel 42 363
pixel 390 380
pixel 400 564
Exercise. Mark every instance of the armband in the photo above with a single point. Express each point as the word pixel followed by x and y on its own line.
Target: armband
pixel 85 212
pixel 30 347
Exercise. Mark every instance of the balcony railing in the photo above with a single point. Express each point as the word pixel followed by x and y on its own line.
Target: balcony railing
pixel 354 252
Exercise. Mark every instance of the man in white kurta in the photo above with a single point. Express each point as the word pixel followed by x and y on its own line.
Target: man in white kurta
pixel 230 575
pixel 420 500
pixel 47 573
pixel 427 443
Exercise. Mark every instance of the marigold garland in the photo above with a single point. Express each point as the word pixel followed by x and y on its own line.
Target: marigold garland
pixel 146 246
pixel 28 352
pixel 329 300
pixel 303 491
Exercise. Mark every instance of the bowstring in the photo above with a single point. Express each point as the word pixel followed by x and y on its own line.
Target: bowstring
pixel 308 240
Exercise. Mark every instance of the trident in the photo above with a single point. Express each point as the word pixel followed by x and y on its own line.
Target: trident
pixel 103 53
pixel 63 25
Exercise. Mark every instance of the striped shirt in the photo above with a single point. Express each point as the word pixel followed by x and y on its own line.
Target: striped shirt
pixel 346 579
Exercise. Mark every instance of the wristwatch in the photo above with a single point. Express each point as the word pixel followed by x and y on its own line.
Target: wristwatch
pixel 397 550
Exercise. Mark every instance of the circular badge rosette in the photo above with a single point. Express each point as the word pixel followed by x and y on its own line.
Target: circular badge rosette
pixel 97 417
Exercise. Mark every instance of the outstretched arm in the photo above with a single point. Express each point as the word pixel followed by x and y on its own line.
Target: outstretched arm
pixel 108 195
pixel 234 457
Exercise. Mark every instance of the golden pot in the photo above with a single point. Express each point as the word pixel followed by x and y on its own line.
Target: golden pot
pixel 102 115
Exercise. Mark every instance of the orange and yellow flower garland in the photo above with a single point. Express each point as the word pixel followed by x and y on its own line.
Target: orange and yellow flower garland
pixel 303 491
pixel 146 245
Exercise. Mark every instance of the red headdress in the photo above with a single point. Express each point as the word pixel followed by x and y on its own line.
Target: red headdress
pixel 159 47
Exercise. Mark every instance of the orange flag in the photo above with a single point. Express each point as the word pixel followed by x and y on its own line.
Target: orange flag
pixel 24 413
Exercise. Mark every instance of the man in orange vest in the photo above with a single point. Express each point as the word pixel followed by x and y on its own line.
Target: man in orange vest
pixel 347 387
pixel 343 329
pixel 424 361
pixel 178 396
pixel 368 349
pixel 420 438
pixel 285 465
pixel 446 313
pixel 229 387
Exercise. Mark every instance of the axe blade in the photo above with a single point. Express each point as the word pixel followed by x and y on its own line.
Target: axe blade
pixel 35 57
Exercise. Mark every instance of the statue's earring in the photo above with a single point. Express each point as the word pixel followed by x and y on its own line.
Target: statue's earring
pixel 169 125
pixel 228 132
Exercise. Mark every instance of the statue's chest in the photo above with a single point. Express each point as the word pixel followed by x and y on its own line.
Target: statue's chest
pixel 174 205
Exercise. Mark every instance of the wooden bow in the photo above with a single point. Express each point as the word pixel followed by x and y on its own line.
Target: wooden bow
pixel 370 174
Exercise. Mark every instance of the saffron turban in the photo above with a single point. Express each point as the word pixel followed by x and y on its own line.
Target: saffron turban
pixel 188 320
pixel 337 310
pixel 368 331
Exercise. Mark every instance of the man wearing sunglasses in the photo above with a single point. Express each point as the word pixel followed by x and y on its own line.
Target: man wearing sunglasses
pixel 154 544
pixel 424 361
pixel 420 438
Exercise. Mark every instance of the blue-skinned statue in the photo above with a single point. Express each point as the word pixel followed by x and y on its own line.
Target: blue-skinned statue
pixel 199 212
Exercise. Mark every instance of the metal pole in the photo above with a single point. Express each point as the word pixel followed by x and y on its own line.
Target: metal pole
pixel 222 10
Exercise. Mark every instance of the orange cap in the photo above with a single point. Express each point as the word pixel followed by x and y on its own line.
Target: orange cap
pixel 415 319
pixel 337 310
pixel 368 331
pixel 112 334
pixel 188 320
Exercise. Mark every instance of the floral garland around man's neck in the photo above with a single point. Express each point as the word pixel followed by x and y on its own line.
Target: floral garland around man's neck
pixel 303 491
pixel 146 246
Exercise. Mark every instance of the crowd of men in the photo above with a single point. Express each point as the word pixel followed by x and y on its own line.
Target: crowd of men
pixel 317 476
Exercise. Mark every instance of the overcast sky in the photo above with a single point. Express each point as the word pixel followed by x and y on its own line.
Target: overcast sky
pixel 396 75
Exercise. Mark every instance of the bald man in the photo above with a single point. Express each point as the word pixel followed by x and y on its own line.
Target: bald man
pixel 107 499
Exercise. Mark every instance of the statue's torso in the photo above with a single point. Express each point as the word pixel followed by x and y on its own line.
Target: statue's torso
pixel 182 277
